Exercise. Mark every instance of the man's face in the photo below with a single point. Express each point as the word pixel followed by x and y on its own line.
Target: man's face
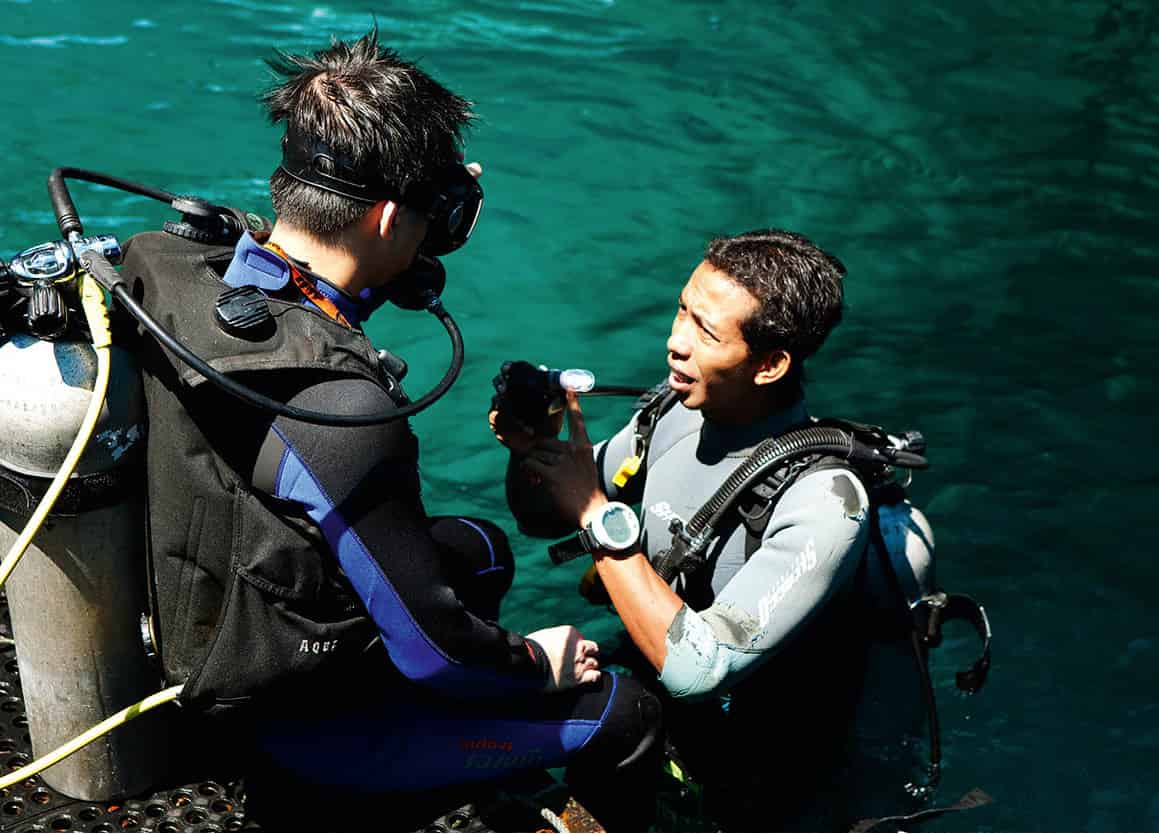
pixel 711 365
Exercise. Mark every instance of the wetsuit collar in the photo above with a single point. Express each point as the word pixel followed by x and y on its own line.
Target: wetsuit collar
pixel 253 265
pixel 732 440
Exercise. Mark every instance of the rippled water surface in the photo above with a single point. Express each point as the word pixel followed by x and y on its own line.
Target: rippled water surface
pixel 988 172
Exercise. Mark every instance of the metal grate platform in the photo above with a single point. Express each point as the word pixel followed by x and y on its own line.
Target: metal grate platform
pixel 537 804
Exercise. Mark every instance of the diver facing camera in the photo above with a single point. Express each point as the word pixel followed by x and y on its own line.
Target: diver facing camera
pixel 778 559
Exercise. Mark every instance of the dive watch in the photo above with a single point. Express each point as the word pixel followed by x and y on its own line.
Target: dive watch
pixel 615 530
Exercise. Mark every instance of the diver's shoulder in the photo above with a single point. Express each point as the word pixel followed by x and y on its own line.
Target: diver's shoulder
pixel 829 491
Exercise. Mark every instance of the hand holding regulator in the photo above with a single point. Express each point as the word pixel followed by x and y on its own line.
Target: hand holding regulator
pixel 533 394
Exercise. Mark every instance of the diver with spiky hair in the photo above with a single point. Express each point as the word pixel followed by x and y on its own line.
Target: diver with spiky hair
pixel 300 584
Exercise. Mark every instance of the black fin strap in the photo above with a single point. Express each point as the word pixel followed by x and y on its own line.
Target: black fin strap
pixel 972 799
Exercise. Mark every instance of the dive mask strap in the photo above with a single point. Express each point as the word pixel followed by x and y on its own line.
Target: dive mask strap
pixel 312 161
pixel 451 199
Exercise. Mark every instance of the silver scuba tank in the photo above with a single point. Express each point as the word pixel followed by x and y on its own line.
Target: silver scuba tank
pixel 909 538
pixel 77 596
pixel 891 711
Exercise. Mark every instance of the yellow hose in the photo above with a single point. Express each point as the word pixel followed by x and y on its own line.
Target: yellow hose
pixel 93 302
pixel 111 723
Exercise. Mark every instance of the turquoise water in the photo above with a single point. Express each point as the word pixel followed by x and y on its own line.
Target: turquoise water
pixel 989 174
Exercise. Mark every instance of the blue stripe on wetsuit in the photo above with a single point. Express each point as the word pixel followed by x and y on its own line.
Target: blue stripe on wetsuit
pixel 411 650
pixel 490 547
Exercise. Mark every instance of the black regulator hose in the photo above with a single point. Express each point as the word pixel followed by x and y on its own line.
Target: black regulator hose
pixel 616 391
pixel 771 454
pixel 108 277
pixel 102 270
pixel 774 451
pixel 64 208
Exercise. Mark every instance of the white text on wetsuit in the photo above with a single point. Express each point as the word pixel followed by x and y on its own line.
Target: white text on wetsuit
pixel 806 561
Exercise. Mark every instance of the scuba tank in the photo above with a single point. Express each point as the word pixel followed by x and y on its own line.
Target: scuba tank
pixel 77 595
pixel 909 539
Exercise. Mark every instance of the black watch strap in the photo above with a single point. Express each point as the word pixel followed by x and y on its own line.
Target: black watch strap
pixel 572 548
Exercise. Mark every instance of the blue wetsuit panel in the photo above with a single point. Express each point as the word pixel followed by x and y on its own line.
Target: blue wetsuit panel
pixel 360 486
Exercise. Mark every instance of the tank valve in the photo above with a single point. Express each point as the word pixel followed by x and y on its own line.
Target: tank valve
pixel 47 314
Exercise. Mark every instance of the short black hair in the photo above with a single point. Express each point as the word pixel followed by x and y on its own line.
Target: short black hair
pixel 367 103
pixel 797 285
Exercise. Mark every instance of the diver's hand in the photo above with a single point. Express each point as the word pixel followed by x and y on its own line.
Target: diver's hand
pixel 514 433
pixel 573 659
pixel 475 169
pixel 511 425
pixel 567 470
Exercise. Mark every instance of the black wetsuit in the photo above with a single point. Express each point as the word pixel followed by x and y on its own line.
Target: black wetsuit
pixel 443 694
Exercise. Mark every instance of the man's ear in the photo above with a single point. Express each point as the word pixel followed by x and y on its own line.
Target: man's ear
pixel 772 367
pixel 386 215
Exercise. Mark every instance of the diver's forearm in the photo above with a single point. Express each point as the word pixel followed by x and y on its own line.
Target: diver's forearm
pixel 644 601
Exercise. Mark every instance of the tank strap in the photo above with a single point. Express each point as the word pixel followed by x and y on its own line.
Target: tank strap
pixel 20 494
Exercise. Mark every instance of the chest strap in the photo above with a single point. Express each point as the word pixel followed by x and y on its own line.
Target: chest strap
pixel 652 405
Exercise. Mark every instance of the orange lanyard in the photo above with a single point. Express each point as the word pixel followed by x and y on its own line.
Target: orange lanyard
pixel 307 288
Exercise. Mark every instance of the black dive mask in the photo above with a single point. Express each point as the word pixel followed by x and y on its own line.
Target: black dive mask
pixel 451 201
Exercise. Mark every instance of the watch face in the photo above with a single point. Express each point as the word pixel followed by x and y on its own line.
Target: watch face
pixel 620 527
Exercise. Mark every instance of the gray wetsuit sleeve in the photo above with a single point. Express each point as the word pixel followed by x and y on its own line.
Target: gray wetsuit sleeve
pixel 810 551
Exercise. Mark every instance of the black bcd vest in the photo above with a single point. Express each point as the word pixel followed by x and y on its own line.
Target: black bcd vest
pixel 246 596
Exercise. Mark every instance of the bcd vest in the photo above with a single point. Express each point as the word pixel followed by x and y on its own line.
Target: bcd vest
pixel 246 596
